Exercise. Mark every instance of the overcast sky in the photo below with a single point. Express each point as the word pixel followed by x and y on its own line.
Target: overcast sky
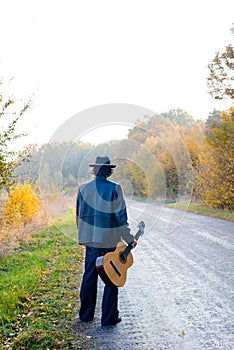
pixel 74 55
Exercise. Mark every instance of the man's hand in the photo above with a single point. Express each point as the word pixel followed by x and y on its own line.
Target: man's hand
pixel 134 244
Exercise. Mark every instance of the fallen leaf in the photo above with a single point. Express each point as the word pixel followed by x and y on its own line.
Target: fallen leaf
pixel 181 334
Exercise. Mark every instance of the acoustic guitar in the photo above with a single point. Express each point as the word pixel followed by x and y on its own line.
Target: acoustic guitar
pixel 112 267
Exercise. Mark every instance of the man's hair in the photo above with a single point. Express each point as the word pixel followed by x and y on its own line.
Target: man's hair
pixel 103 171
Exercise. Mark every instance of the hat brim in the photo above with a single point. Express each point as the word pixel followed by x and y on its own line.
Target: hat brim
pixel 104 164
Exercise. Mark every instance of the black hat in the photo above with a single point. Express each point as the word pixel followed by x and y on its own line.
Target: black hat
pixel 102 161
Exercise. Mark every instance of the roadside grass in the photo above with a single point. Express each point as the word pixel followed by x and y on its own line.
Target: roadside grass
pixel 39 286
pixel 202 210
pixel 196 208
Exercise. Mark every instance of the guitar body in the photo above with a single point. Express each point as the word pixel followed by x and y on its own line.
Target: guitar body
pixel 112 267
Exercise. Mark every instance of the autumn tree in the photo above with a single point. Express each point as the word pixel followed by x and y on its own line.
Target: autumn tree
pixel 22 204
pixel 216 170
pixel 221 77
pixel 212 120
pixel 215 176
pixel 9 158
pixel 179 117
pixel 168 169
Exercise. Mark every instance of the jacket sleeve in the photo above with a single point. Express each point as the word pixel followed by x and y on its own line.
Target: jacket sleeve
pixel 121 217
pixel 77 207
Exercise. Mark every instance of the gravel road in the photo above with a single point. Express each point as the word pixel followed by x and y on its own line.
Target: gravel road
pixel 179 291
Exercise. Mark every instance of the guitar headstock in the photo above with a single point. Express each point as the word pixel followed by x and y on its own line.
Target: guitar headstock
pixel 141 226
pixel 141 231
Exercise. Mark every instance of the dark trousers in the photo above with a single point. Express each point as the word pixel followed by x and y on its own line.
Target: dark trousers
pixel 88 291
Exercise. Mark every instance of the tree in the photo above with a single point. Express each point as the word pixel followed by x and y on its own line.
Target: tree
pixel 179 117
pixel 220 80
pixel 215 178
pixel 213 119
pixel 169 169
pixel 9 159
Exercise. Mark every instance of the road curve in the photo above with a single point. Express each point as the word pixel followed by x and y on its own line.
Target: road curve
pixel 179 291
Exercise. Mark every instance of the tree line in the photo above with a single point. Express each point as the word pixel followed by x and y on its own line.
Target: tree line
pixel 164 157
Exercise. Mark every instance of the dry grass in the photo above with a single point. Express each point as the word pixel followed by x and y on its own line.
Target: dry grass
pixel 12 236
pixel 51 208
pixel 56 204
pixel 198 208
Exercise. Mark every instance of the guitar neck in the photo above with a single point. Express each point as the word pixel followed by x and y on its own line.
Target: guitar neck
pixel 129 246
pixel 138 234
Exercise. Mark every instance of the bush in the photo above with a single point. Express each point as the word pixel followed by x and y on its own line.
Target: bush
pixel 22 204
pixel 17 214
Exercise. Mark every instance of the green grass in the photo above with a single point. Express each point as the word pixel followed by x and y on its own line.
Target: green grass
pixel 200 209
pixel 39 290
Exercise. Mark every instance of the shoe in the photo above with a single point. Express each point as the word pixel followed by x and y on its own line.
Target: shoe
pixel 119 319
pixel 78 320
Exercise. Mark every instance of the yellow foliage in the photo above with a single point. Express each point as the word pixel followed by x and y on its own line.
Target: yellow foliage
pixel 215 173
pixel 21 205
pixel 18 211
pixel 227 116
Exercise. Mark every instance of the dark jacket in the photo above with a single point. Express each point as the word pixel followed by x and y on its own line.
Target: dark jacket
pixel 101 214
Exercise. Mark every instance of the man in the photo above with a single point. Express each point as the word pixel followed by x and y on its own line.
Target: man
pixel 102 222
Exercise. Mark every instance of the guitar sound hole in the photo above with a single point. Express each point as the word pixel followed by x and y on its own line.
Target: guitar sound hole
pixel 115 268
pixel 122 258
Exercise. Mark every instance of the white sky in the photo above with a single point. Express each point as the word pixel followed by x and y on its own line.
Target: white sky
pixel 74 55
